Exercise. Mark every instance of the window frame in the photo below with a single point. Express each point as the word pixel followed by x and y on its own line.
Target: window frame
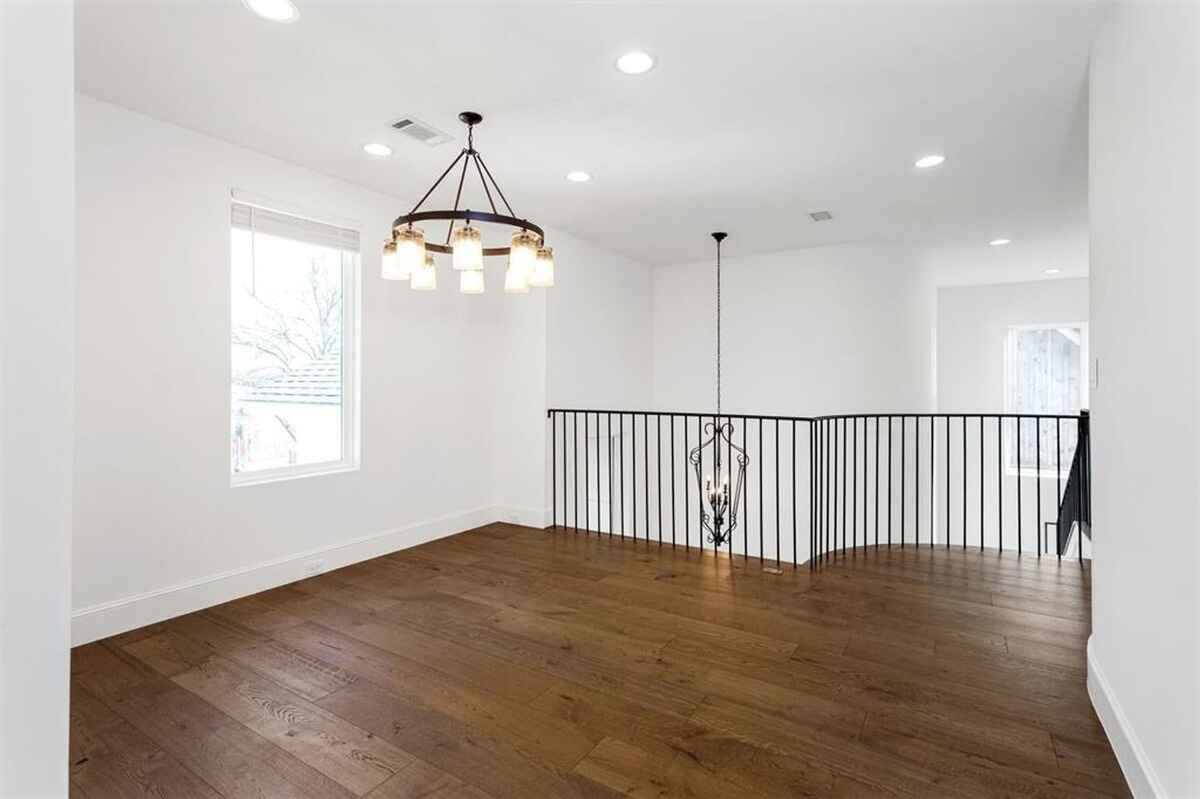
pixel 1048 471
pixel 351 411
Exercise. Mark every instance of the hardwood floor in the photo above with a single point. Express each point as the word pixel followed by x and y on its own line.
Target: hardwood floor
pixel 515 663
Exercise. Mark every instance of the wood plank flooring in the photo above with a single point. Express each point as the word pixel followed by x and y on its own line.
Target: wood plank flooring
pixel 514 663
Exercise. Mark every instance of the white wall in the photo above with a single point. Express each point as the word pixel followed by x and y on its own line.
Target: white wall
pixel 37 342
pixel 454 387
pixel 838 329
pixel 599 331
pixel 583 344
pixel 1143 665
pixel 972 326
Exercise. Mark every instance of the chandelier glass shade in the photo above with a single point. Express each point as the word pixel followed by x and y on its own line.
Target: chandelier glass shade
pixel 522 253
pixel 470 281
pixel 515 281
pixel 543 269
pixel 720 464
pixel 410 250
pixel 425 278
pixel 467 243
pixel 410 253
pixel 391 263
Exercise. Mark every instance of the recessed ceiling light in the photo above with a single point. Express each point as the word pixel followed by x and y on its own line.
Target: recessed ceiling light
pixel 378 150
pixel 635 63
pixel 578 176
pixel 926 161
pixel 274 10
pixel 1000 242
pixel 1051 271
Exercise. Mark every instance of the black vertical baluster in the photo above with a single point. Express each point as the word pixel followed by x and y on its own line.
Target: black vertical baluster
pixel 610 476
pixel 553 472
pixel 672 466
pixel 903 474
pixel 845 443
pixel 981 483
pixel 843 440
pixel 916 482
pixel 947 481
pixel 746 497
pixel 889 489
pixel 729 482
pixel 1081 438
pixel 812 495
pixel 1020 531
pixel 587 521
pixel 658 453
pixel 633 469
pixel 1037 478
pixel 1057 483
pixel 821 487
pixel 795 557
pixel 819 477
pixel 854 484
pixel 599 513
pixel 761 480
pixel 646 472
pixel 1000 481
pixel 575 463
pixel 687 531
pixel 825 484
pixel 964 481
pixel 833 484
pixel 876 482
pixel 563 416
pixel 700 478
pixel 621 440
pixel 777 493
pixel 932 479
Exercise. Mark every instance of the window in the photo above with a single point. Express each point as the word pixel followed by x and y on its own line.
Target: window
pixel 1045 372
pixel 293 345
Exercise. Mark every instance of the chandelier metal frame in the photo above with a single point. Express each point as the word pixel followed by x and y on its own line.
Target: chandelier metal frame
pixel 719 510
pixel 468 155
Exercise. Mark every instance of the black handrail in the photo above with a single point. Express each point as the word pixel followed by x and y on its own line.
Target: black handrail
pixel 862 477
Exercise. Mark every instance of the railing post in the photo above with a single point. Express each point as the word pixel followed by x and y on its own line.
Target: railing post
pixel 553 471
pixel 1083 495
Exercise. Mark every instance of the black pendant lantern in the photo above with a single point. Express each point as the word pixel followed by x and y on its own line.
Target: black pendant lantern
pixel 724 461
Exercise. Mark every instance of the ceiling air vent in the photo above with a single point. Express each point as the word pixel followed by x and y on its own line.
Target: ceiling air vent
pixel 820 216
pixel 421 131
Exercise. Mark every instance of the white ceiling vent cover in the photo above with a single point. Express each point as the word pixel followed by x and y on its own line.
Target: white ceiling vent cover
pixel 820 216
pixel 421 131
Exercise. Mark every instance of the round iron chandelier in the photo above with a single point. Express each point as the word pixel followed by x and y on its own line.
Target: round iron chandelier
pixel 409 255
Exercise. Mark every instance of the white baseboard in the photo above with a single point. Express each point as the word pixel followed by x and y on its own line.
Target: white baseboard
pixel 128 613
pixel 1143 782
pixel 530 517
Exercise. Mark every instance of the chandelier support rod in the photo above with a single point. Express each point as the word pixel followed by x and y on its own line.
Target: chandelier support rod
pixel 483 180
pixel 719 237
pixel 436 183
pixel 458 195
pixel 499 191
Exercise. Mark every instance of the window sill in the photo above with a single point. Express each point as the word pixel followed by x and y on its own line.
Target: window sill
pixel 240 479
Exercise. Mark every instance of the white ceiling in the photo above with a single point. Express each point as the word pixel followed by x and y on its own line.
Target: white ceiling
pixel 755 115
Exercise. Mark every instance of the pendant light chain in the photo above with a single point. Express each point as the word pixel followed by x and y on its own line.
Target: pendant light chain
pixel 718 331
pixel 718 238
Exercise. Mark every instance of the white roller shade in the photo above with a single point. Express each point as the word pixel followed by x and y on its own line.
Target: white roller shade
pixel 274 223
